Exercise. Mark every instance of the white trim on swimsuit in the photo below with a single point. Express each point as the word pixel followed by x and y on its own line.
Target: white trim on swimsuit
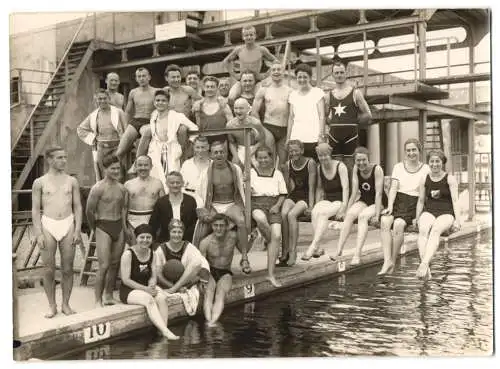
pixel 58 228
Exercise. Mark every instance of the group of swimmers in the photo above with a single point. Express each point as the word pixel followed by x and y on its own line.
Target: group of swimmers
pixel 187 198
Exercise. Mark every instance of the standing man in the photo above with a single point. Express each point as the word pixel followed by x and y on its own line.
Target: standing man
pixel 224 87
pixel 174 205
pixel 112 83
pixel 348 110
pixel 193 81
pixel 275 100
pixel 58 195
pixel 221 189
pixel 102 130
pixel 143 192
pixel 218 249
pixel 107 215
pixel 193 168
pixel 140 105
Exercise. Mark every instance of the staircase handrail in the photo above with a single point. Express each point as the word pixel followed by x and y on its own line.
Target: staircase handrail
pixel 30 117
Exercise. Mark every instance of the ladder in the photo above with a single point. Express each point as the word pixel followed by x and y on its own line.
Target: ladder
pixel 89 258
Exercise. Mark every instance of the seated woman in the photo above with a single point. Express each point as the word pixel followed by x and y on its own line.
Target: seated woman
pixel 194 264
pixel 300 174
pixel 268 193
pixel 402 203
pixel 365 203
pixel 332 194
pixel 439 202
pixel 138 277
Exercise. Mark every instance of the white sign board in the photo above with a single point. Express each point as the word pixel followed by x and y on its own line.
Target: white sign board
pixel 171 30
pixel 97 332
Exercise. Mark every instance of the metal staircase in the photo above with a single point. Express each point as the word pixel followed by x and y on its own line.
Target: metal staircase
pixel 42 122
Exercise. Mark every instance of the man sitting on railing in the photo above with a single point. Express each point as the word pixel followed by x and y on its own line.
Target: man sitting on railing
pixel 140 105
pixel 58 194
pixel 102 130
pixel 221 189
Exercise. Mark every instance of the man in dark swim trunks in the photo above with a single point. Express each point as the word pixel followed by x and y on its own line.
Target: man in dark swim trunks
pixel 348 109
pixel 218 249
pixel 106 212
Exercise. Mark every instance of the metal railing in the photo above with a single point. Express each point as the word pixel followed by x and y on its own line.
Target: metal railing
pixel 29 121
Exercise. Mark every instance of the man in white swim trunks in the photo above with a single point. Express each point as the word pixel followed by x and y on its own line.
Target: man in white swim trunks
pixel 237 139
pixel 143 192
pixel 221 189
pixel 57 195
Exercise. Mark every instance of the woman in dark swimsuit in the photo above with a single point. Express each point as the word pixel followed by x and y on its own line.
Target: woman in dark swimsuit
pixel 332 194
pixel 138 276
pixel 438 200
pixel 365 203
pixel 300 175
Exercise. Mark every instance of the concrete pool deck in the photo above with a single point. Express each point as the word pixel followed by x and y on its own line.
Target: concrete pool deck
pixel 44 338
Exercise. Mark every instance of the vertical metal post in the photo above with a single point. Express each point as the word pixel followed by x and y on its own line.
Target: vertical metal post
pixel 471 132
pixel 19 86
pixel 318 63
pixel 448 60
pixel 365 64
pixel 422 114
pixel 113 19
pixel 415 61
pixel 247 164
pixel 15 313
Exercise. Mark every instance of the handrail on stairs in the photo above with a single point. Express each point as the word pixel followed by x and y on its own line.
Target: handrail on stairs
pixel 30 117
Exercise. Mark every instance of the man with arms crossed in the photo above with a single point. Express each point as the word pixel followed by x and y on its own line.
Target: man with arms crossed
pixel 143 192
pixel 140 105
pixel 275 99
pixel 107 215
pixel 218 249
pixel 58 194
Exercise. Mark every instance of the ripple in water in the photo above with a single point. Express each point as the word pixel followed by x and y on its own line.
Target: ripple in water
pixel 450 315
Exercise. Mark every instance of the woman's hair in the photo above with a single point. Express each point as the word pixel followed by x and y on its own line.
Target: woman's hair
pixel 295 142
pixel 175 223
pixel 143 228
pixel 439 153
pixel 361 150
pixel 304 68
pixel 413 141
pixel 265 149
pixel 324 146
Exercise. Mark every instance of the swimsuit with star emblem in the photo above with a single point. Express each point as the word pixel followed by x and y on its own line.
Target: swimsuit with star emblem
pixel 343 124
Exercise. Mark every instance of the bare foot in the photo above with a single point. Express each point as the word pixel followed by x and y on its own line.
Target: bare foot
pixel 274 281
pixel 98 304
pixel 355 260
pixel 387 268
pixel 52 313
pixel 335 256
pixel 292 258
pixel 109 301
pixel 211 324
pixel 66 310
pixel 169 335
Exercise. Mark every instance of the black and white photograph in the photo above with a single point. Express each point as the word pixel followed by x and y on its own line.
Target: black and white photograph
pixel 273 183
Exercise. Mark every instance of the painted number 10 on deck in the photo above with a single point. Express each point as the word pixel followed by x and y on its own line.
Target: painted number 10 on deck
pixel 97 332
